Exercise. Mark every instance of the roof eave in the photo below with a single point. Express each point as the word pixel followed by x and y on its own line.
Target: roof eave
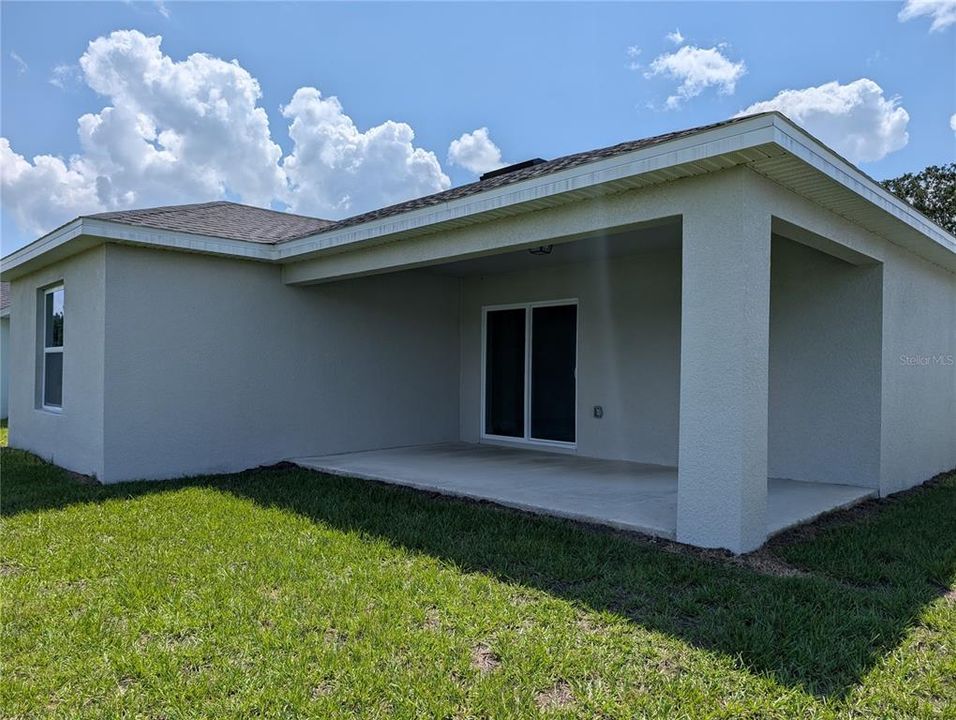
pixel 84 233
pixel 766 130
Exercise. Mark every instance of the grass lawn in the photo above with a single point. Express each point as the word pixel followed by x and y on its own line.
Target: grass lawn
pixel 281 593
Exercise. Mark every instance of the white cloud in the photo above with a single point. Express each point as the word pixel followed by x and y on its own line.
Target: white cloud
pixel 475 151
pixel 22 66
pixel 172 132
pixel 855 119
pixel 943 12
pixel 335 169
pixel 45 193
pixel 675 37
pixel 175 130
pixel 697 69
pixel 192 130
pixel 633 53
pixel 952 122
pixel 64 76
pixel 163 9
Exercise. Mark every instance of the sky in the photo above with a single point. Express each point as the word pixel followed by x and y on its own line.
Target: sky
pixel 331 109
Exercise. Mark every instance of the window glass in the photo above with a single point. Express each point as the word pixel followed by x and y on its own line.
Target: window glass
pixel 504 373
pixel 53 379
pixel 553 384
pixel 54 318
pixel 52 348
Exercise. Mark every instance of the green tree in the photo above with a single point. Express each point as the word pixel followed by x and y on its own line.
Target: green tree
pixel 932 192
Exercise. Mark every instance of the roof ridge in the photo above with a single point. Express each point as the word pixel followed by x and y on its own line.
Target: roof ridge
pixel 157 209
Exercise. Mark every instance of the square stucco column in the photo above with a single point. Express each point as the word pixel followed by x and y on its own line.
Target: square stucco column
pixel 725 307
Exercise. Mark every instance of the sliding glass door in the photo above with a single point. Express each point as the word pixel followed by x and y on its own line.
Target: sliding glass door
pixel 530 383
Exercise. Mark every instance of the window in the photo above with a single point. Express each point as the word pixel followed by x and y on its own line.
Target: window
pixel 52 367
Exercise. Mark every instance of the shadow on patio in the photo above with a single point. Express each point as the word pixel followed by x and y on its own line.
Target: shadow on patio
pixel 867 583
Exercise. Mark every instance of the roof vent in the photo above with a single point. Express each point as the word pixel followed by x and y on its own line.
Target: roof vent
pixel 512 168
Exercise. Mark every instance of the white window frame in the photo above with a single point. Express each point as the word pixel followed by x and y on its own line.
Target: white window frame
pixel 47 350
pixel 527 439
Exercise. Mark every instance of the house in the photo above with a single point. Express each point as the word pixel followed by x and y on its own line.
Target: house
pixel 708 335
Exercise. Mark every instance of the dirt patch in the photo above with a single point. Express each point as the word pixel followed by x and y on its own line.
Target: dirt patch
pixel 336 637
pixel 8 569
pixel 556 697
pixel 484 659
pixel 322 689
pixel 81 479
pixel 179 640
pixel 124 684
pixel 766 563
pixel 588 625
pixel 271 592
pixel 432 619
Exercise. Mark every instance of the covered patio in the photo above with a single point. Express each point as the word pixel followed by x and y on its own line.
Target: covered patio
pixel 625 495
pixel 621 377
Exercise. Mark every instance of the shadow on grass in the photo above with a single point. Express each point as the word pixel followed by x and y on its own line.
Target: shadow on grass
pixel 867 584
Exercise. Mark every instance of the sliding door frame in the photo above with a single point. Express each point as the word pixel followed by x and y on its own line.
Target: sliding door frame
pixel 528 307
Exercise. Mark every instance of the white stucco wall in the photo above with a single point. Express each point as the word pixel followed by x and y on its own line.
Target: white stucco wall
pixel 4 365
pixel 919 371
pixel 628 349
pixel 214 365
pixel 918 404
pixel 72 438
pixel 825 360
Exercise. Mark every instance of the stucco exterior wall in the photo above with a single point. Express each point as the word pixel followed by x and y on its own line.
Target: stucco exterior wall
pixel 72 438
pixel 918 403
pixel 4 366
pixel 214 365
pixel 824 371
pixel 919 371
pixel 628 349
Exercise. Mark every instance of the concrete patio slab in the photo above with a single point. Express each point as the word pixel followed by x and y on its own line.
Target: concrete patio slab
pixel 624 495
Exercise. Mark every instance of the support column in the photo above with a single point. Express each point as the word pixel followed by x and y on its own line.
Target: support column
pixel 725 306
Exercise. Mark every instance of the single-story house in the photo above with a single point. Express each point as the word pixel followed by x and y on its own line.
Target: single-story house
pixel 707 335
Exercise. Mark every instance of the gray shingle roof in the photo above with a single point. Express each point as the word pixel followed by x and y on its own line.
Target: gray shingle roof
pixel 221 219
pixel 4 295
pixel 545 168
pixel 245 222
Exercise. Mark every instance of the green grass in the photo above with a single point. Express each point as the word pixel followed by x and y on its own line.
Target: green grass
pixel 282 593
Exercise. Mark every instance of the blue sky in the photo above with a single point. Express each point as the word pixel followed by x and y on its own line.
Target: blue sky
pixel 544 79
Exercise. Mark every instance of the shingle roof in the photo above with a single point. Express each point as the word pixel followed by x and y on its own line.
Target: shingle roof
pixel 4 295
pixel 221 219
pixel 245 222
pixel 545 168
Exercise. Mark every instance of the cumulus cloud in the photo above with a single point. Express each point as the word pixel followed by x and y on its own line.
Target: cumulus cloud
pixel 172 132
pixel 697 69
pixel 942 12
pixel 337 169
pixel 45 192
pixel 193 130
pixel 855 119
pixel 475 151
pixel 952 122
